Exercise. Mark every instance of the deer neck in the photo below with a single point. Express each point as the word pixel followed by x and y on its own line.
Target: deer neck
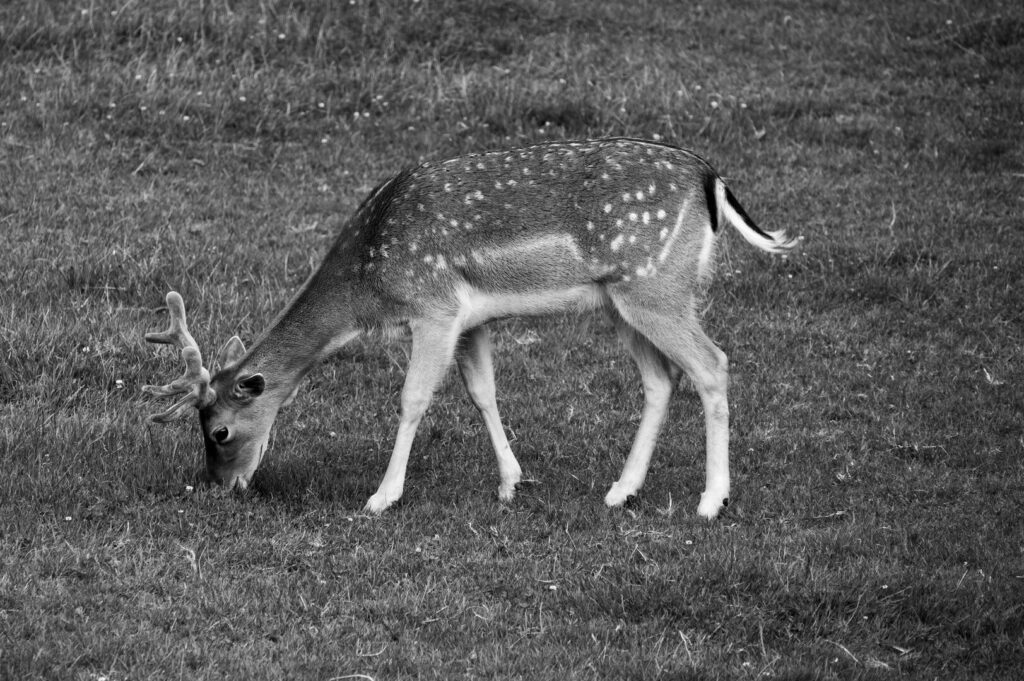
pixel 317 322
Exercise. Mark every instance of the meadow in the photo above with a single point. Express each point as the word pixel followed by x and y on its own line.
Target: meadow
pixel 875 528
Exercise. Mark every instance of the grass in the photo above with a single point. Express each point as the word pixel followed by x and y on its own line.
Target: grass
pixel 875 530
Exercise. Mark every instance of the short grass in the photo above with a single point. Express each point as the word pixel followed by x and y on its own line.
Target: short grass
pixel 212 147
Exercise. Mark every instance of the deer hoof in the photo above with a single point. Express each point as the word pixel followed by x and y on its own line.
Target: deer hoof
pixel 711 504
pixel 617 495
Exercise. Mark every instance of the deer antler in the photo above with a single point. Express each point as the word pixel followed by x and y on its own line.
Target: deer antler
pixel 195 382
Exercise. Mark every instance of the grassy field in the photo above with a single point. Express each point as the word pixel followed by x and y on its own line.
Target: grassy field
pixel 875 529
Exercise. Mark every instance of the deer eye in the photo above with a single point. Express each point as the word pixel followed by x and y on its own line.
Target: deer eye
pixel 221 434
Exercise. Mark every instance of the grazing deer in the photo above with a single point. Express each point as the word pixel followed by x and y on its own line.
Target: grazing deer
pixel 621 225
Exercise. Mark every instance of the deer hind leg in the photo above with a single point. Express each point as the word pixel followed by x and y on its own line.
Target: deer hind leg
pixel 708 368
pixel 657 375
pixel 433 346
pixel 477 370
pixel 684 343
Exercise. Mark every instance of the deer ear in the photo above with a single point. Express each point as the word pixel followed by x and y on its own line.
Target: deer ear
pixel 250 386
pixel 232 351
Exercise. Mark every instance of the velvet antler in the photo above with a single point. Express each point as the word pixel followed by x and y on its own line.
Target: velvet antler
pixel 194 384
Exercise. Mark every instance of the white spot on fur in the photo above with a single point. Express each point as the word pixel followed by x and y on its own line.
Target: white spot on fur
pixel 616 243
pixel 661 214
pixel 646 270
pixel 607 208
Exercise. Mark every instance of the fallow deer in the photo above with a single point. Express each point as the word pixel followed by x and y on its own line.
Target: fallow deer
pixel 619 225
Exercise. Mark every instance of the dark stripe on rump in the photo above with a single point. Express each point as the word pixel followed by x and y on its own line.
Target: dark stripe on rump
pixel 711 199
pixel 743 214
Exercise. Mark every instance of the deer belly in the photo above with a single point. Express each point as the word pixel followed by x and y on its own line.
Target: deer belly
pixel 478 306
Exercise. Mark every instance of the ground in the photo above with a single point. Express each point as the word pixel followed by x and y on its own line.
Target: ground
pixel 874 529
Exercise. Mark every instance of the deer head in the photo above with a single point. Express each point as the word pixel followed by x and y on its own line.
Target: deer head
pixel 235 423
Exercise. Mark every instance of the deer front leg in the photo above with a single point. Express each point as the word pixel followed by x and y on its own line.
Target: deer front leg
pixel 433 345
pixel 477 369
